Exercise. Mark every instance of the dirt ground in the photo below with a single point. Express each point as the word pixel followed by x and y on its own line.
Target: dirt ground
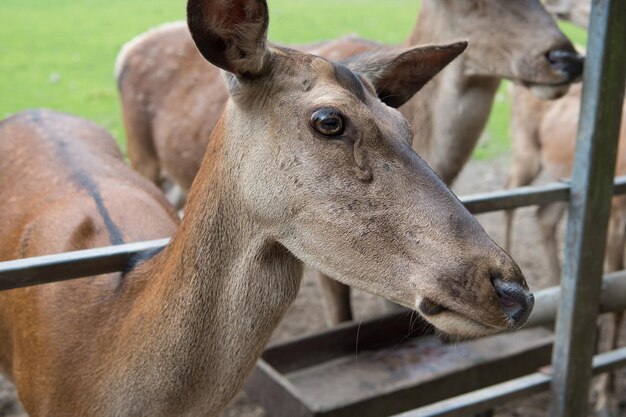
pixel 305 315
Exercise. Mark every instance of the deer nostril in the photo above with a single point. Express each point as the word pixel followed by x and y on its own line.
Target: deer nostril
pixel 516 301
pixel 507 301
pixel 566 61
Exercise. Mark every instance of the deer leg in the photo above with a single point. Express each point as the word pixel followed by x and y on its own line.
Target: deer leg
pixel 140 142
pixel 605 387
pixel 174 193
pixel 616 236
pixel 337 300
pixel 142 151
pixel 526 166
pixel 548 217
pixel 508 229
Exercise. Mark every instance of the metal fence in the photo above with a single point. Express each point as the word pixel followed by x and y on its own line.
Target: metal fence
pixel 588 195
pixel 85 263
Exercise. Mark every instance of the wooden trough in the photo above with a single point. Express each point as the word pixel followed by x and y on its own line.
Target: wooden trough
pixel 397 365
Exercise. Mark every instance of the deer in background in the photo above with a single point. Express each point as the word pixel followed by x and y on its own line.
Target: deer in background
pixel 544 136
pixel 171 97
pixel 306 164
pixel 576 11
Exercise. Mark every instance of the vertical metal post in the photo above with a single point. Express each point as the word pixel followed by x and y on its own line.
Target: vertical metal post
pixel 594 167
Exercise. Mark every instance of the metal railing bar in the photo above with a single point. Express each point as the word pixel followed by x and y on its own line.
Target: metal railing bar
pixel 518 197
pixel 85 263
pixel 71 265
pixel 612 299
pixel 589 209
pixel 527 196
pixel 487 398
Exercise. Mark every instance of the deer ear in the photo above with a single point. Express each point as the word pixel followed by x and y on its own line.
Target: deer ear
pixel 397 76
pixel 231 34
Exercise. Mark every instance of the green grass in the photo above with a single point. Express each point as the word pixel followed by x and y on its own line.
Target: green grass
pixel 60 53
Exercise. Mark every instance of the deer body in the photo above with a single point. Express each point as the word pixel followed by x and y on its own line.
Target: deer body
pixel 544 136
pixel 136 330
pixel 306 164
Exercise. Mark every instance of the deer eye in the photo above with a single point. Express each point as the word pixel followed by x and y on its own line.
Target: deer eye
pixel 328 122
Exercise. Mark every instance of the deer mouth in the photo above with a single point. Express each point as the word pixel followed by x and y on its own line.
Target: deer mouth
pixel 454 322
pixel 547 91
pixel 529 84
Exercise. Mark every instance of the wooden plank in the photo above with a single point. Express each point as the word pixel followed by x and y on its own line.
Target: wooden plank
pixel 334 345
pixel 404 376
pixel 274 392
pixel 345 339
pixel 488 398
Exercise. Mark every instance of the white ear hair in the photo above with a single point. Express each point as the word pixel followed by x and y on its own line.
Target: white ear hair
pixel 231 34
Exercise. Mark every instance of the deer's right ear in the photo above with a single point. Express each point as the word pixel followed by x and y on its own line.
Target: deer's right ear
pixel 231 34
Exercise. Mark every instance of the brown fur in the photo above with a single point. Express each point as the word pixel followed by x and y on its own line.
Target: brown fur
pixel 61 178
pixel 178 334
pixel 544 136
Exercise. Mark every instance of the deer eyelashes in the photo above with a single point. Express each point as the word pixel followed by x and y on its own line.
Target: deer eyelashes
pixel 328 122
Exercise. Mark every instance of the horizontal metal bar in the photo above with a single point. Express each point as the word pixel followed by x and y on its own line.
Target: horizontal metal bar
pixel 547 300
pixel 487 398
pixel 518 197
pixel 71 265
pixel 526 196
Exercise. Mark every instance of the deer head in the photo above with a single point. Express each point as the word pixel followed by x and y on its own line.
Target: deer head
pixel 324 167
pixel 518 40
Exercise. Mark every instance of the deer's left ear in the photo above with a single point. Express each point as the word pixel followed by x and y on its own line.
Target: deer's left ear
pixel 231 34
pixel 397 76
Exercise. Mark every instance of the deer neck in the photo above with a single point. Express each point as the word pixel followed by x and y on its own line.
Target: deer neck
pixel 215 294
pixel 450 113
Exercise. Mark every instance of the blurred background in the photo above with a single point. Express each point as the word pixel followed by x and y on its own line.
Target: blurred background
pixel 59 54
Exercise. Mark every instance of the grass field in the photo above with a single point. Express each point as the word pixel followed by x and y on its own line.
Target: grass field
pixel 60 53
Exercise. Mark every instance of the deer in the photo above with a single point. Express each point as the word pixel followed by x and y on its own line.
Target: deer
pixel 161 78
pixel 171 97
pixel 575 11
pixel 544 137
pixel 306 165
